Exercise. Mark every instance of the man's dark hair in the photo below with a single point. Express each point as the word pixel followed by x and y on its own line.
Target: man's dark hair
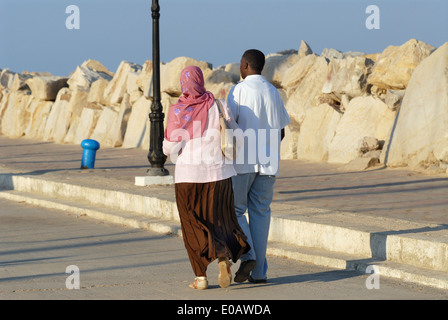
pixel 255 59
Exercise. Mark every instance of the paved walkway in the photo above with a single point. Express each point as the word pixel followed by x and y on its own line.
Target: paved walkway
pixel 375 215
pixel 117 263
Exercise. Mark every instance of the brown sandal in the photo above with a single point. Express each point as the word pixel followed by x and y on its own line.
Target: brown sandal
pixel 225 276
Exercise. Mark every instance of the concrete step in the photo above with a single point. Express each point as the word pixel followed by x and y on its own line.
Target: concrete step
pixel 399 241
pixel 369 266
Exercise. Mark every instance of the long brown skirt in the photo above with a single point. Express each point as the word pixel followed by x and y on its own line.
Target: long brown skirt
pixel 210 228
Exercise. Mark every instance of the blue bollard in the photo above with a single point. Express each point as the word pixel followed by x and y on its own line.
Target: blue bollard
pixel 89 153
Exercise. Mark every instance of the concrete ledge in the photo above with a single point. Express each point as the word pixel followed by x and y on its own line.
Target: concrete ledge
pixel 316 235
pixel 402 246
pixel 128 202
pixel 401 272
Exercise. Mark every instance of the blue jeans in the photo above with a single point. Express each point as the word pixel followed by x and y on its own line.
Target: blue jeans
pixel 254 192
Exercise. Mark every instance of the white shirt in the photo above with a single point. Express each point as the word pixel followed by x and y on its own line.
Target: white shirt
pixel 261 114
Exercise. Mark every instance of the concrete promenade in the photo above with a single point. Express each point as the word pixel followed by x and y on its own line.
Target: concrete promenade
pixel 393 219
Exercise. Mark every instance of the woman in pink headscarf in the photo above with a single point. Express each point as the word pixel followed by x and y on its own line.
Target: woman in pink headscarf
pixel 203 184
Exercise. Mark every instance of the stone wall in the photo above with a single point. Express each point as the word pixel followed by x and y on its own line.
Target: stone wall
pixel 350 108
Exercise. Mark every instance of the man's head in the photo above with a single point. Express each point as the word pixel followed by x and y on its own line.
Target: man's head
pixel 252 62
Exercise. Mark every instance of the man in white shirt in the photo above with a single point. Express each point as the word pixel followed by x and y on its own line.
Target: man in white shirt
pixel 262 117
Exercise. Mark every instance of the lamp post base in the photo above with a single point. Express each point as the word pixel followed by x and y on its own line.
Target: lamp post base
pixel 155 176
pixel 157 172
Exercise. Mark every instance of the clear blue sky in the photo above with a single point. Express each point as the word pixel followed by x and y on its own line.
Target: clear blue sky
pixel 34 37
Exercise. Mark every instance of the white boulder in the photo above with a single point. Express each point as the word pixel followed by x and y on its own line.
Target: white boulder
pixel 117 87
pixel 20 82
pixel 144 80
pixel 317 132
pixel 304 96
pixel 420 137
pixel 348 76
pixel 111 125
pixel 304 49
pixel 46 87
pixel 86 74
pixel 64 114
pixel 137 123
pixel 85 125
pixel 96 92
pixel 364 116
pixel 394 66
pixel 16 113
pixel 6 78
pixel 39 110
pixel 170 74
pixel 294 76
pixel 277 65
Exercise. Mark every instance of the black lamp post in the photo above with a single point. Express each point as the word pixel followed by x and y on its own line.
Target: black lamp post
pixel 155 155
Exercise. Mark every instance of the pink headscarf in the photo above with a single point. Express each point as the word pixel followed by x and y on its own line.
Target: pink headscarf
pixel 193 105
